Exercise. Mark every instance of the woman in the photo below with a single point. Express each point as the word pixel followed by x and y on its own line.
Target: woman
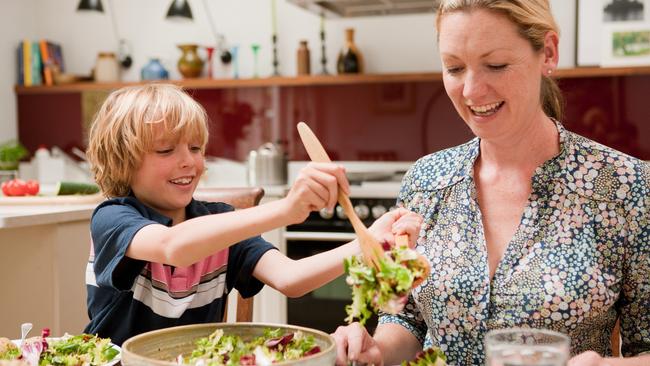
pixel 528 224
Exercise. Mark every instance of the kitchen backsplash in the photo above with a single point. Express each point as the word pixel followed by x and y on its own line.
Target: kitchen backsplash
pixel 396 121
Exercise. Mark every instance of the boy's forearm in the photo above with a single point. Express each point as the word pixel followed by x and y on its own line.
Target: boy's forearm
pixel 192 240
pixel 295 278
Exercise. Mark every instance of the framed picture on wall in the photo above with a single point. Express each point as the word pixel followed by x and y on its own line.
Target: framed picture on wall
pixel 612 32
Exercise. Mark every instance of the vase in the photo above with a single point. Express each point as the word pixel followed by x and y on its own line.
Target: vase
pixel 190 64
pixel 154 70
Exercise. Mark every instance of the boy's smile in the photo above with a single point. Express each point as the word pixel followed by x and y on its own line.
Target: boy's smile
pixel 168 176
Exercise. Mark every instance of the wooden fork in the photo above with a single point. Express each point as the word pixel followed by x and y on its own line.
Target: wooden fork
pixel 370 248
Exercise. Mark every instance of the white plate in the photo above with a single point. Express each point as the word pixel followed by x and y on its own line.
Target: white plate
pixel 115 361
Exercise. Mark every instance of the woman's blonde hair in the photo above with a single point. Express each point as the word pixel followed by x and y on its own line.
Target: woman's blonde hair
pixel 123 130
pixel 534 20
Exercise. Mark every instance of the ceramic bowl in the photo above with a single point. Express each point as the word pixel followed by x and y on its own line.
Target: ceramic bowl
pixel 161 347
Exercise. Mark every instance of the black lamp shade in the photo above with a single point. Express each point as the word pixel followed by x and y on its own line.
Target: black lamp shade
pixel 95 5
pixel 180 8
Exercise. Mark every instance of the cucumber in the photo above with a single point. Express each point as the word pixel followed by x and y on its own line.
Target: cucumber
pixel 69 188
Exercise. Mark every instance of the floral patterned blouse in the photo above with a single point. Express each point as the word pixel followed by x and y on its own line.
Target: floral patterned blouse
pixel 579 259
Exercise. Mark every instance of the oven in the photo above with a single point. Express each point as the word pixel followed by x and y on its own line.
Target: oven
pixel 374 188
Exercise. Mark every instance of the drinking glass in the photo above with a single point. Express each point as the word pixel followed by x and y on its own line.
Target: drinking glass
pixel 235 62
pixel 255 48
pixel 526 347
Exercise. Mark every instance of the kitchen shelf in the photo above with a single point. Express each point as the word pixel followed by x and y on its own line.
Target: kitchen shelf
pixel 315 80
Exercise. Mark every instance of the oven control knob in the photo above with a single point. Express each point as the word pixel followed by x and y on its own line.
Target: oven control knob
pixel 340 213
pixel 325 213
pixel 362 211
pixel 377 211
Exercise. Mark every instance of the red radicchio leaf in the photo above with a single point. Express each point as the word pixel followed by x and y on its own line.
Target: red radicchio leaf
pixel 247 360
pixel 44 334
pixel 284 340
pixel 312 351
pixel 273 342
pixel 385 246
pixel 31 352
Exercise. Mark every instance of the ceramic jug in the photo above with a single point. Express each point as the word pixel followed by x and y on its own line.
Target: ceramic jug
pixel 190 64
pixel 154 70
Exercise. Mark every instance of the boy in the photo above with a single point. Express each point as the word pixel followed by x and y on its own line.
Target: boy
pixel 163 259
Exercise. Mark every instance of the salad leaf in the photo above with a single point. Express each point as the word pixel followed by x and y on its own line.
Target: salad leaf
pixel 84 349
pixel 80 349
pixel 8 350
pixel 430 357
pixel 219 349
pixel 385 289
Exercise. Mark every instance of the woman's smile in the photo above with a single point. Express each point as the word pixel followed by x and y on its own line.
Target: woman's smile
pixel 485 110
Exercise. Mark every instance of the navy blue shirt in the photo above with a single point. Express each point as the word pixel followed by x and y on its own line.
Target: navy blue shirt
pixel 127 297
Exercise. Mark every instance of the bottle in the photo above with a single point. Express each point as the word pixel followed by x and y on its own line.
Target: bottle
pixel 42 159
pixel 107 69
pixel 350 60
pixel 304 67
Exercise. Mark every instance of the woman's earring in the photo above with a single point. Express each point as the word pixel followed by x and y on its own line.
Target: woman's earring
pixel 549 71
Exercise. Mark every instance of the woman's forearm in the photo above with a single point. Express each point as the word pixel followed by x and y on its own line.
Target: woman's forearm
pixel 396 343
pixel 629 361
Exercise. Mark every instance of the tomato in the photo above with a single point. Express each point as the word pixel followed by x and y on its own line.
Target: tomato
pixel 32 187
pixel 5 188
pixel 14 187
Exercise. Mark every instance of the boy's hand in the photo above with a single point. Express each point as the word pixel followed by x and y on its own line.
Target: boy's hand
pixel 397 222
pixel 316 187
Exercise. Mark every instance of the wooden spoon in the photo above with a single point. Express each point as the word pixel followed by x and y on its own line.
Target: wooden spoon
pixel 370 248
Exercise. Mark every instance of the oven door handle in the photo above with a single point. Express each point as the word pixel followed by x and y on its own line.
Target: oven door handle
pixel 318 236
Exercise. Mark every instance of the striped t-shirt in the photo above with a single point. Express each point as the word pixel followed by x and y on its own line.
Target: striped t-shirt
pixel 128 297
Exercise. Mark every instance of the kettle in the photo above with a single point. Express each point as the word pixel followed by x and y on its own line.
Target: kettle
pixel 267 165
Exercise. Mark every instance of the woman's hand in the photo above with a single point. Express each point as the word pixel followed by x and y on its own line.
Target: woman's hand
pixel 315 187
pixel 354 343
pixel 589 358
pixel 397 222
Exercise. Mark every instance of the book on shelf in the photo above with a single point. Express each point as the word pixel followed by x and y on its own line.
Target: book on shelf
pixel 47 63
pixel 21 72
pixel 27 63
pixel 37 65
pixel 38 62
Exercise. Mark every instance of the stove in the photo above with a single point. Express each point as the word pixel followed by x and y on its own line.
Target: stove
pixel 373 191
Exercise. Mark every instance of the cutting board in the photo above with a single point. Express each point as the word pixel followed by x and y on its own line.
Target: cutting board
pixel 52 200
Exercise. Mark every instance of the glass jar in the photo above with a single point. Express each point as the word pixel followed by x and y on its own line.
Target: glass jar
pixel 107 69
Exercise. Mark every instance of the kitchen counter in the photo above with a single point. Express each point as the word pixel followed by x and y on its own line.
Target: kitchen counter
pixel 29 215
pixel 44 254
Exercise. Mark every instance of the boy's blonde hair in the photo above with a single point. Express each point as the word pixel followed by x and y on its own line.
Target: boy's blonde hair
pixel 123 130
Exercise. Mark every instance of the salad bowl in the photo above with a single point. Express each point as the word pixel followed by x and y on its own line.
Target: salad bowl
pixel 163 346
